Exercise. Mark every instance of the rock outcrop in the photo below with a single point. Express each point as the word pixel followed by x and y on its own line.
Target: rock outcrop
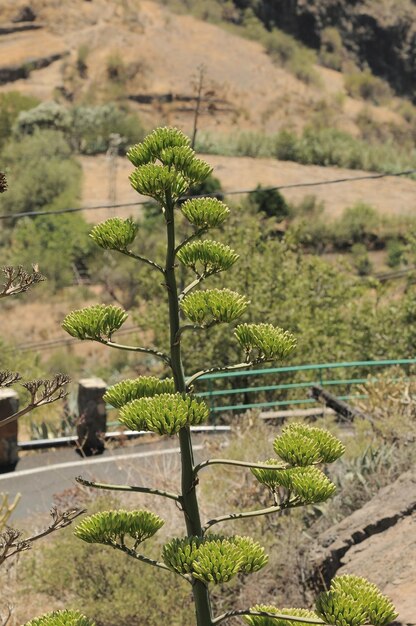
pixel 378 542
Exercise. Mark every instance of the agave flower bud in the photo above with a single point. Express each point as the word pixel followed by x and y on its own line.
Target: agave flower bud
pixel 308 484
pixel 205 213
pixel 214 558
pixel 180 553
pixel 253 555
pixel 183 159
pixel 61 618
pixel 145 386
pixel 265 341
pixel 207 257
pixel 217 561
pixel 269 477
pixel 303 445
pixel 353 601
pixel 114 233
pixel 153 146
pixel 165 413
pixel 111 527
pixel 158 180
pixel 214 305
pixel 95 322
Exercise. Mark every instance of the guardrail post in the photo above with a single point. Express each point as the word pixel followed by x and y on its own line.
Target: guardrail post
pixel 9 404
pixel 92 416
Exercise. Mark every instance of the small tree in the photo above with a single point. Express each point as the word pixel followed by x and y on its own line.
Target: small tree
pixel 166 167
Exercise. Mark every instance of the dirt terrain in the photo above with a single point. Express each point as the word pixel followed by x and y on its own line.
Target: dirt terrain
pixel 390 195
pixel 159 54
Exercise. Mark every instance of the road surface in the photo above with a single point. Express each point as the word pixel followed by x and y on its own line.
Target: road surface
pixel 42 475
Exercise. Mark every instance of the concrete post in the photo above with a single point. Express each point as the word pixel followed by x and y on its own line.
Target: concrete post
pixel 92 421
pixel 9 404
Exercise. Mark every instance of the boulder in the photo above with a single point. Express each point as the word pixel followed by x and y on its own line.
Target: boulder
pixel 378 542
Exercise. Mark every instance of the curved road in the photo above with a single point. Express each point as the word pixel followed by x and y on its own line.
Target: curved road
pixel 42 475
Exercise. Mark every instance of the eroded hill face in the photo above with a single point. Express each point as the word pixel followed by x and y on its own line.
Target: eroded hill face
pixel 380 33
pixel 140 52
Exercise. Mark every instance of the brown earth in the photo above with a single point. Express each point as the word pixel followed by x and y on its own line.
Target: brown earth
pixel 390 195
pixel 159 53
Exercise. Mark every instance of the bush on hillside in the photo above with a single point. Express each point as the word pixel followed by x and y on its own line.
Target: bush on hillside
pixel 367 86
pixel 359 224
pixel 59 244
pixel 88 128
pixel 331 53
pixel 41 173
pixel 47 115
pixel 271 202
pixel 11 104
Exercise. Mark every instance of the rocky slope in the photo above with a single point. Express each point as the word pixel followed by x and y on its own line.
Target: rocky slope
pixel 378 542
pixel 380 33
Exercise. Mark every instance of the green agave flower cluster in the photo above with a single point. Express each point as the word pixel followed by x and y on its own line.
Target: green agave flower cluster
pixel 214 305
pixel 166 165
pixel 306 485
pixel 165 413
pixel 205 213
pixel 207 257
pixel 300 447
pixel 214 559
pixel 353 601
pixel 61 618
pixel 304 445
pixel 111 527
pixel 95 322
pixel 128 390
pixel 258 620
pixel 156 181
pixel 151 148
pixel 265 341
pixel 115 233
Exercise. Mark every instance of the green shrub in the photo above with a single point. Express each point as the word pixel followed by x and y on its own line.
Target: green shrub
pixel 331 53
pixel 115 66
pixel 314 146
pixel 47 115
pixel 81 63
pixel 271 202
pixel 87 128
pixel 41 173
pixel 286 51
pixel 396 251
pixel 358 224
pixel 59 244
pixel 12 103
pixel 367 86
pixel 360 259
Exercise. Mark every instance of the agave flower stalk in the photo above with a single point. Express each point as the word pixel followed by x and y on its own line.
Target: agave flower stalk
pixel 165 168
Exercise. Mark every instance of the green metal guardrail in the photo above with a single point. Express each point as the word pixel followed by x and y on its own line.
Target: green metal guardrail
pixel 322 378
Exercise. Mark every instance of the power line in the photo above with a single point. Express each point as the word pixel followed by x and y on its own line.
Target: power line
pixel 55 343
pixel 334 181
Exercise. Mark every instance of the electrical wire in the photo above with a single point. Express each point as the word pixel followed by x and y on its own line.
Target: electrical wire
pixel 234 192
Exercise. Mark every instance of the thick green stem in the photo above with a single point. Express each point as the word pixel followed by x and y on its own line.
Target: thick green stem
pixel 189 499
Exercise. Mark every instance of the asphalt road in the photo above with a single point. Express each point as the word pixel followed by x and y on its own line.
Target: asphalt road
pixel 42 475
